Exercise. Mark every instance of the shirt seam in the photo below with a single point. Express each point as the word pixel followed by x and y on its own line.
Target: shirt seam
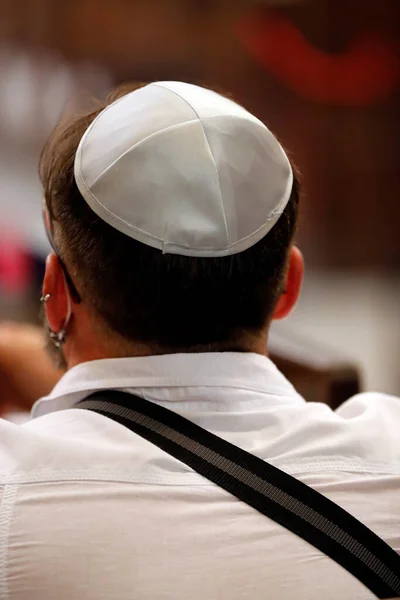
pixel 7 508
pixel 186 478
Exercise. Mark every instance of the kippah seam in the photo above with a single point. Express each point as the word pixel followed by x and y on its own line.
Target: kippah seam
pixel 139 143
pixel 212 156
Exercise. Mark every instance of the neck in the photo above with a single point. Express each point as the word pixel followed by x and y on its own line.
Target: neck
pixel 81 347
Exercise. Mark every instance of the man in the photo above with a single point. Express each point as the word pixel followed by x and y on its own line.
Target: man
pixel 172 213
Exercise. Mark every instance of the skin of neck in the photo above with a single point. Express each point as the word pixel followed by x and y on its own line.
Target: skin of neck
pixel 88 339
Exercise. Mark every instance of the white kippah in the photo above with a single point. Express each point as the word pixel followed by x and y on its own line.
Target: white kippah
pixel 185 170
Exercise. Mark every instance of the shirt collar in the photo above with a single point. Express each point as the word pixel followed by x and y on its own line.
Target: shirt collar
pixel 246 371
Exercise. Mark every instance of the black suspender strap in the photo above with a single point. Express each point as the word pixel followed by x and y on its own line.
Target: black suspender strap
pixel 269 490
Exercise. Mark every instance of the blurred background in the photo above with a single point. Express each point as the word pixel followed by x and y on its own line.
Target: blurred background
pixel 323 74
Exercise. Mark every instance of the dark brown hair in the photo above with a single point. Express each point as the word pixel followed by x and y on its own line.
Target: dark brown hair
pixel 170 303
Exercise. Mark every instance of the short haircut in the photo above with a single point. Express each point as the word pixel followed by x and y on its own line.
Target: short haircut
pixel 169 302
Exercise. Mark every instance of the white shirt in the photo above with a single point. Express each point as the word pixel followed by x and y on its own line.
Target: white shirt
pixel 91 511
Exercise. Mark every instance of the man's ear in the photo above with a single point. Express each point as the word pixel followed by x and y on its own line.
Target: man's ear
pixel 293 283
pixel 54 284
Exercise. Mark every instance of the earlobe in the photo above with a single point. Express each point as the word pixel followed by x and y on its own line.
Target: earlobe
pixel 294 279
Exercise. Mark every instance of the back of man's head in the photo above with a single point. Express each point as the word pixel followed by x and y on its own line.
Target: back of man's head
pixel 174 230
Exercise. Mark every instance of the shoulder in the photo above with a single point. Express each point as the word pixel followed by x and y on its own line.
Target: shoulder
pixel 373 421
pixel 16 446
pixel 371 404
pixel 68 445
pixel 35 446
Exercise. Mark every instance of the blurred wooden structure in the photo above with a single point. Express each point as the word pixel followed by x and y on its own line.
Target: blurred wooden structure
pixel 317 373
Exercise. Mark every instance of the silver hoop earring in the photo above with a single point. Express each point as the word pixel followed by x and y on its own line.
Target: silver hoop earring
pixel 58 338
